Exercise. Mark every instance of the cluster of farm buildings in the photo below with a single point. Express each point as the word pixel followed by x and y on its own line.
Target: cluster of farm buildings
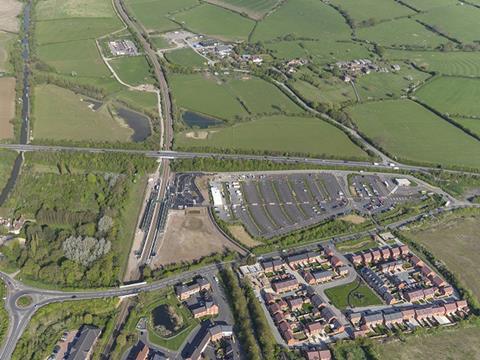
pixel 355 68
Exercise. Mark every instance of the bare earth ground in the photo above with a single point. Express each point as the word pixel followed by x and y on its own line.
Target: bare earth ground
pixel 354 219
pixel 456 242
pixel 239 233
pixel 9 10
pixel 202 184
pixel 7 107
pixel 189 235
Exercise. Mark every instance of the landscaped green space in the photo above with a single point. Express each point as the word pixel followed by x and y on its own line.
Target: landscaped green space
pixel 49 323
pixel 85 208
pixel 403 31
pixel 24 301
pixel 4 317
pixel 454 241
pixel 355 245
pixel 313 20
pixel 448 63
pixel 459 21
pixel 215 21
pixel 61 114
pixel 134 70
pixel 280 134
pixel 454 96
pixel 409 131
pixel 153 14
pixel 372 11
pixel 185 57
pixel 457 343
pixel 355 294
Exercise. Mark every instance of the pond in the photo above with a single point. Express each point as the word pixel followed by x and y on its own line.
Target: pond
pixel 139 123
pixel 166 320
pixel 196 120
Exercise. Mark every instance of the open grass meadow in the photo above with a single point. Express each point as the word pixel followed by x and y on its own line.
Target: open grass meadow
pixel 409 131
pixel 134 70
pixel 153 14
pixel 373 9
pixel 216 22
pixel 389 85
pixel 448 63
pixel 355 294
pixel 471 124
pixel 185 57
pixel 61 115
pixel 330 91
pixel 459 21
pixel 454 241
pixel 455 96
pixel 7 158
pixel 313 19
pixel 255 9
pixel 280 134
pixel 7 107
pixel 424 5
pixel 205 95
pixel 145 100
pixel 6 39
pixel 449 344
pixel 399 32
pixel 53 9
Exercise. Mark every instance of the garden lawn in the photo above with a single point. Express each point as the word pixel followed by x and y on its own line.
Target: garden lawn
pixel 456 96
pixel 409 131
pixel 353 295
pixel 280 134
pixel 61 115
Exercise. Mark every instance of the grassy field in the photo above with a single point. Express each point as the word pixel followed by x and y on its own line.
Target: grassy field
pixel 387 85
pixel 373 9
pixel 134 70
pixel 185 57
pixel 457 21
pixel 61 115
pixel 7 158
pixel 353 295
pixel 53 9
pixel 361 244
pixel 330 91
pixel 414 133
pixel 455 242
pixel 458 96
pixel 276 133
pixel 448 63
pixel 145 100
pixel 7 107
pixel 215 21
pixel 401 32
pixel 423 5
pixel 6 39
pixel 471 124
pixel 451 344
pixel 153 14
pixel 312 19
pixel 255 9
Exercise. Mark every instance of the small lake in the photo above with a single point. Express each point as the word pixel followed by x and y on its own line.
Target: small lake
pixel 195 120
pixel 139 123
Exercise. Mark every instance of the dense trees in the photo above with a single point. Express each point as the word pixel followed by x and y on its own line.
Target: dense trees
pixel 85 250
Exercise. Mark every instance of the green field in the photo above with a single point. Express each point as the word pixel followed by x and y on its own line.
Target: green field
pixel 454 241
pixel 185 57
pixel 423 5
pixel 61 115
pixel 135 99
pixel 352 295
pixel 457 21
pixel 451 344
pixel 223 98
pixel 455 96
pixel 411 132
pixel 216 22
pixel 448 63
pixel 361 10
pixel 253 8
pixel 313 19
pixel 134 70
pixel 278 134
pixel 330 91
pixel 389 85
pixel 6 39
pixel 401 32
pixel 53 9
pixel 153 14
pixel 361 244
pixel 471 124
